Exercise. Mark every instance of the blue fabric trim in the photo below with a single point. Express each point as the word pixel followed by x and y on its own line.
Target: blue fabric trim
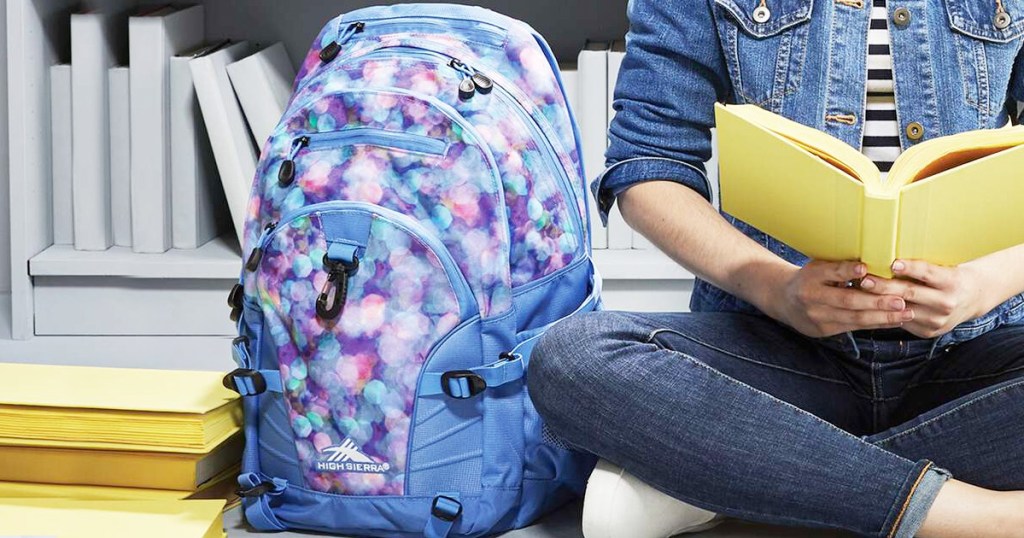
pixel 342 251
pixel 495 374
pixel 347 233
pixel 240 352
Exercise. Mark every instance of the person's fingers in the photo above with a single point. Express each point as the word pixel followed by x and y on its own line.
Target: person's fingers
pixel 854 299
pixel 872 319
pixel 935 276
pixel 844 271
pixel 910 291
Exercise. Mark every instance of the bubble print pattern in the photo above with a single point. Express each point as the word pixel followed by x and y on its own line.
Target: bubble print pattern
pixel 544 238
pixel 355 378
pixel 456 195
pixel 543 235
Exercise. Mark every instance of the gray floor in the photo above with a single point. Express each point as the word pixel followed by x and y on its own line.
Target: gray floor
pixel 565 524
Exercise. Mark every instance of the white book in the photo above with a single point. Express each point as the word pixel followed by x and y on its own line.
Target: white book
pixel 98 43
pixel 592 117
pixel 263 83
pixel 712 167
pixel 571 84
pixel 199 213
pixel 120 156
pixel 152 39
pixel 61 154
pixel 233 147
pixel 620 235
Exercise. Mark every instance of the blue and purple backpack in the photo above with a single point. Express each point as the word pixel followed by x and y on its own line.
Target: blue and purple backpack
pixel 418 219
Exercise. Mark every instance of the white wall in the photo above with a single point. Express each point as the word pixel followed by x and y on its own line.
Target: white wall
pixel 5 222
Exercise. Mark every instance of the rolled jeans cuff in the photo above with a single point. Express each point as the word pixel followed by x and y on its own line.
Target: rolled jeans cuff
pixel 920 502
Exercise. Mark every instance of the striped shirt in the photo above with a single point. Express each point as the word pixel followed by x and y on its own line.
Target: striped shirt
pixel 881 130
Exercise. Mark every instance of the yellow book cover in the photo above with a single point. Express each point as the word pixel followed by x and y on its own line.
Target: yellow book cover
pixel 22 461
pixel 947 200
pixel 117 406
pixel 223 486
pixel 74 518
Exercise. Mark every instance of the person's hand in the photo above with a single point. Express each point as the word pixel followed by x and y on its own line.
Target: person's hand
pixel 940 297
pixel 818 301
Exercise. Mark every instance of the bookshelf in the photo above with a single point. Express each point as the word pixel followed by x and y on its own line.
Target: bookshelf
pixel 48 281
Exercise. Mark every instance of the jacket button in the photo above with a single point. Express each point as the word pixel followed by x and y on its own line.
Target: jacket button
pixel 1002 20
pixel 901 16
pixel 762 14
pixel 915 131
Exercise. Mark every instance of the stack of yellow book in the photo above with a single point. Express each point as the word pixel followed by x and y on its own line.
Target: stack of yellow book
pixel 113 433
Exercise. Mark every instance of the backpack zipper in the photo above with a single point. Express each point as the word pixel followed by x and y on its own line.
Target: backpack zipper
pixel 359 135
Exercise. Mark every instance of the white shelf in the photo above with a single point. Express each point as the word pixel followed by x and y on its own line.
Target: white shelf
pixel 162 352
pixel 633 264
pixel 218 259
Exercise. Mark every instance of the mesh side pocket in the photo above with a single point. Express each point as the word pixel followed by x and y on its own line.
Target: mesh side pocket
pixel 550 438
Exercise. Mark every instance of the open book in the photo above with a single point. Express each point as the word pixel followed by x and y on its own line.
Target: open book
pixel 947 200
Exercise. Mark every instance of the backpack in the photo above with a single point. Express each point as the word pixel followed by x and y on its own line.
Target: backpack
pixel 418 220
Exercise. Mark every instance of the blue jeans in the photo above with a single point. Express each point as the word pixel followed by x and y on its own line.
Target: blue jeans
pixel 740 415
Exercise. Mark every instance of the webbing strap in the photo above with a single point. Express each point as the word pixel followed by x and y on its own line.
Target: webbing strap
pixel 347 233
pixel 257 508
pixel 248 382
pixel 458 384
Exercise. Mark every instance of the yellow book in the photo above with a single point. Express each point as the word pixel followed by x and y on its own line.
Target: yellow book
pixel 223 486
pixel 117 406
pixel 73 518
pixel 947 200
pixel 37 461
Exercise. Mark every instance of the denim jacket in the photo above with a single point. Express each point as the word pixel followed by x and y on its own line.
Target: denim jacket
pixel 955 68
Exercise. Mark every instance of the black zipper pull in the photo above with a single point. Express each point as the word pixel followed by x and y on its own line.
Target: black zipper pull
pixel 330 52
pixel 256 256
pixel 253 263
pixel 331 301
pixel 286 173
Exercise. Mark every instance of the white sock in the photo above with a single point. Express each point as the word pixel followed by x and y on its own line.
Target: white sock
pixel 618 504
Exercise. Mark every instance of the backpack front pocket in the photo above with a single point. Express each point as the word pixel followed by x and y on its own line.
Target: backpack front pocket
pixel 354 297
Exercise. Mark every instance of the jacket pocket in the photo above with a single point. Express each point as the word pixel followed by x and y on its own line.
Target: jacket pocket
pixel 987 39
pixel 765 47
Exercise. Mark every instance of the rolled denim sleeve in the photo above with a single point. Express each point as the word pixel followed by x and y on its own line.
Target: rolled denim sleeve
pixel 671 76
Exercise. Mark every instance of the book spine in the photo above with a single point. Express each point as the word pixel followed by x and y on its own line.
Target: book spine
pixel 233 148
pixel 592 116
pixel 94 42
pixel 620 234
pixel 263 83
pixel 120 157
pixel 878 243
pixel 60 132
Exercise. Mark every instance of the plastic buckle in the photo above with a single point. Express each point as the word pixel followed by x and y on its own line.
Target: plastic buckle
pixel 469 384
pixel 255 383
pixel 259 489
pixel 449 511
